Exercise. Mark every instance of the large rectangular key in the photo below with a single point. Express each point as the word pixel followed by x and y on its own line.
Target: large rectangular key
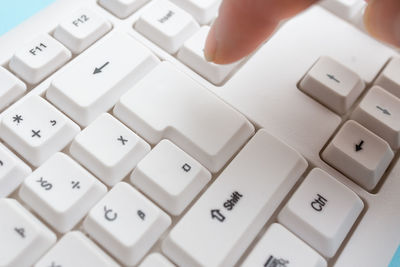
pixel 93 83
pixel 167 104
pixel 231 212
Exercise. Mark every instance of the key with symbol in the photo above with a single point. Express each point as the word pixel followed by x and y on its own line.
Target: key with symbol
pixel 75 249
pixel 12 171
pixel 271 169
pixel 23 238
pixel 321 212
pixel 166 25
pixel 61 192
pixel 359 154
pixel 379 111
pixel 280 248
pixel 332 84
pixel 170 177
pixel 39 58
pixel 36 129
pixel 126 231
pixel 109 149
pixel 94 82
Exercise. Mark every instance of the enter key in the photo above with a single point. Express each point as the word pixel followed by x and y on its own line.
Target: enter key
pixel 226 219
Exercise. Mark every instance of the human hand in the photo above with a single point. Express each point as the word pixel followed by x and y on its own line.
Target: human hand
pixel 242 25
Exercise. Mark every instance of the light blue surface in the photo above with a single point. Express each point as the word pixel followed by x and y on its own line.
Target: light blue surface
pixel 396 259
pixel 13 12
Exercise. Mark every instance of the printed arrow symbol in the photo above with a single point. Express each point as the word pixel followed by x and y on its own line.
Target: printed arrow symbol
pixel 99 70
pixel 216 214
pixel 359 146
pixel 385 111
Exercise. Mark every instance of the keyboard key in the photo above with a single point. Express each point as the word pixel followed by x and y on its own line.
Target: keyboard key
pixel 94 82
pixel 156 260
pixel 379 111
pixel 12 171
pixel 359 154
pixel 36 130
pixel 192 54
pixel 61 192
pixel 78 31
pixel 204 11
pixel 346 9
pixel 332 84
pixel 166 25
pixel 122 8
pixel 321 212
pixel 279 248
pixel 39 58
pixel 229 215
pixel 167 104
pixel 389 78
pixel 75 249
pixel 108 149
pixel 11 88
pixel 170 177
pixel 23 238
pixel 126 231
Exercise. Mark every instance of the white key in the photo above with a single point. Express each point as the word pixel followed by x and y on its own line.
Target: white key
pixel 75 249
pixel 321 212
pixel 333 84
pixel 156 260
pixel 389 78
pixel 36 130
pixel 204 11
pixel 166 25
pixel 78 31
pixel 11 88
pixel 23 238
pixel 346 9
pixel 278 248
pixel 170 177
pixel 61 192
pixel 229 215
pixel 39 58
pixel 211 135
pixel 379 111
pixel 126 223
pixel 192 54
pixel 122 8
pixel 94 82
pixel 359 154
pixel 12 171
pixel 108 149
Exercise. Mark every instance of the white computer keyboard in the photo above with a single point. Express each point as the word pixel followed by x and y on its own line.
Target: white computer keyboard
pixel 122 146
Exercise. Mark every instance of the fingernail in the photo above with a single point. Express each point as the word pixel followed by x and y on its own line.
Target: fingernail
pixel 383 21
pixel 210 48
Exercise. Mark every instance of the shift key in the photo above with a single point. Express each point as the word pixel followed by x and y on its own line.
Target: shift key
pixel 226 219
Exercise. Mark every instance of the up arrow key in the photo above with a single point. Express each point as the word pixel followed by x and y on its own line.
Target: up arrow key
pixel 99 70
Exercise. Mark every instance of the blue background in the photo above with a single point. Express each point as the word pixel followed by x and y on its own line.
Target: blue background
pixel 13 12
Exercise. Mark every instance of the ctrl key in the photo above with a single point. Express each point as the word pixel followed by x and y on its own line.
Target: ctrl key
pixel 279 247
pixel 23 238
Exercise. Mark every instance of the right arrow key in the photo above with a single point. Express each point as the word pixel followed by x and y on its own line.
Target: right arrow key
pixel 379 111
pixel 358 153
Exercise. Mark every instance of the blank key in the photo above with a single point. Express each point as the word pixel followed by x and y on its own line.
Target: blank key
pixel 321 212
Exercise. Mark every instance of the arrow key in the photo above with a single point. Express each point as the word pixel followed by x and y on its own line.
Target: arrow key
pixel 359 154
pixel 379 111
